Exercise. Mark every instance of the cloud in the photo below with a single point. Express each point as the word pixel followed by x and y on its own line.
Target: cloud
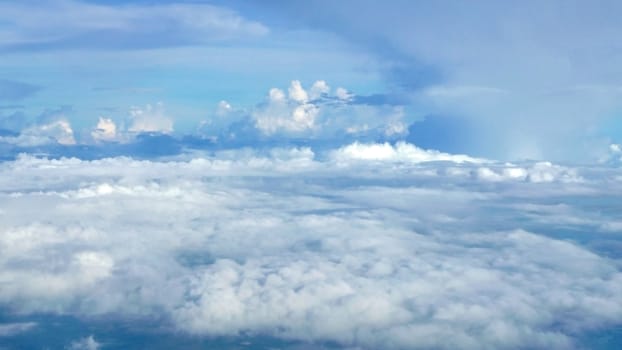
pixel 293 114
pixel 520 74
pixel 368 245
pixel 102 26
pixel 106 130
pixel 318 89
pixel 88 343
pixel 150 119
pixel 615 154
pixel 58 131
pixel 11 329
pixel 400 152
pixel 316 114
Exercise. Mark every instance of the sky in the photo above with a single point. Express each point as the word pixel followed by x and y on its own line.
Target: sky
pixel 310 175
pixel 519 80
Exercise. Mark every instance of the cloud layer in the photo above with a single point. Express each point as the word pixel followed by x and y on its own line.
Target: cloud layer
pixel 397 251
pixel 79 24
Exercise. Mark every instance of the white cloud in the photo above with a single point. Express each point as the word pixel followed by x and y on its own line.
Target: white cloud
pixel 186 23
pixel 536 172
pixel 223 109
pixel 276 95
pixel 318 114
pixel 319 89
pixel 11 329
pixel 401 152
pixel 343 94
pixel 88 343
pixel 106 130
pixel 56 131
pixel 370 245
pixel 150 119
pixel 292 115
pixel 297 93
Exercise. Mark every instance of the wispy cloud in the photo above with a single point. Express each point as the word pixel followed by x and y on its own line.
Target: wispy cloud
pixel 78 24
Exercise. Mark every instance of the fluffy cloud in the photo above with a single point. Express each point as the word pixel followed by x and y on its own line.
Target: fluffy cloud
pixel 88 343
pixel 54 132
pixel 293 114
pixel 318 114
pixel 106 130
pixel 400 152
pixel 370 245
pixel 150 119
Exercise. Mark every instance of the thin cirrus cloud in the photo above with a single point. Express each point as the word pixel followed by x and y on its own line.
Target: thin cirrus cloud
pixel 280 244
pixel 102 26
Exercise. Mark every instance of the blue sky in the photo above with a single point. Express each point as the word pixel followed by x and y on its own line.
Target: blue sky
pixel 310 175
pixel 530 79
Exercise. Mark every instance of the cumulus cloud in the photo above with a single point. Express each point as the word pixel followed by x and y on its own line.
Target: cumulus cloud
pixel 343 94
pixel 402 151
pixel 106 130
pixel 150 118
pixel 88 343
pixel 369 245
pixel 224 108
pixel 318 114
pixel 297 93
pixel 318 89
pixel 290 114
pixel 54 132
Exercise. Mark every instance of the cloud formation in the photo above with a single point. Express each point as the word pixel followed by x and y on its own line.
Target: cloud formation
pixel 58 131
pixel 318 114
pixel 150 119
pixel 531 78
pixel 78 24
pixel 397 251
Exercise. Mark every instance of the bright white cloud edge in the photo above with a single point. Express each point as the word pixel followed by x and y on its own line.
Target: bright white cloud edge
pixel 218 248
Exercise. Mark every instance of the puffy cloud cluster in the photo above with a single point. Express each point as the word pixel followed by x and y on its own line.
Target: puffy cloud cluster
pixel 394 250
pixel 53 128
pixel 58 131
pixel 290 114
pixel 317 113
pixel 150 119
pixel 106 130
